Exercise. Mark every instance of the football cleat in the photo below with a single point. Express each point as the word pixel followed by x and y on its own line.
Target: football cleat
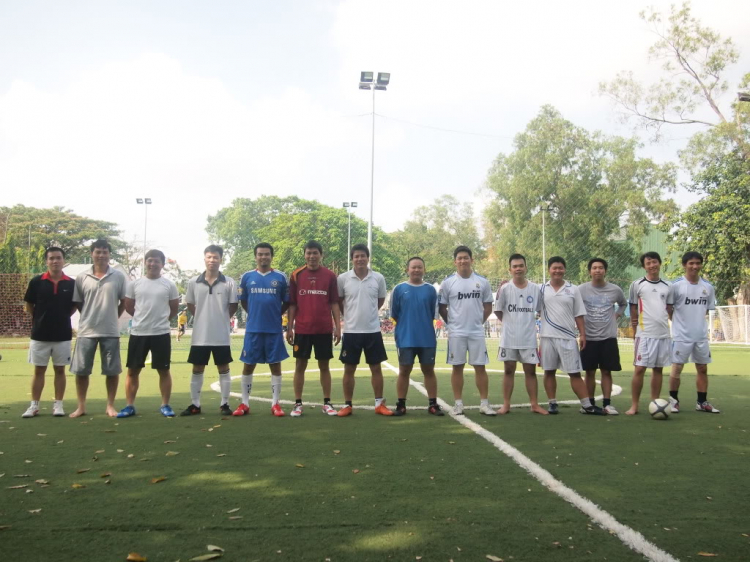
pixel 458 409
pixel 435 410
pixel 167 411
pixel 277 411
pixel 191 410
pixel 126 412
pixel 553 409
pixel 242 410
pixel 400 410
pixel 328 409
pixel 225 410
pixel 675 405
pixel 706 407
pixel 296 411
pixel 487 410
pixel 57 410
pixel 610 410
pixel 30 412
pixel 383 410
pixel 344 412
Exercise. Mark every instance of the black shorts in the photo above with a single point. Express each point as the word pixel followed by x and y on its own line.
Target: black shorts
pixel 159 346
pixel 200 354
pixel 305 343
pixel 181 329
pixel 352 346
pixel 602 354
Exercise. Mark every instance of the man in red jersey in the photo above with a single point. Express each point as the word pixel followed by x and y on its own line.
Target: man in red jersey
pixel 313 301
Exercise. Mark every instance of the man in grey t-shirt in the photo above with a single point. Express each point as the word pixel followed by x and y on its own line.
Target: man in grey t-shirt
pixel 601 351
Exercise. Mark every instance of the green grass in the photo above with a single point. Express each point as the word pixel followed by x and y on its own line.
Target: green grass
pixel 426 486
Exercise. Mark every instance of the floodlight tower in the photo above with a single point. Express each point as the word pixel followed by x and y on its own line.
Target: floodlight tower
pixel 145 202
pixel 349 205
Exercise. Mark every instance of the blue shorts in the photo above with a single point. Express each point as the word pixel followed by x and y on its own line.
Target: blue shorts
pixel 263 348
pixel 407 355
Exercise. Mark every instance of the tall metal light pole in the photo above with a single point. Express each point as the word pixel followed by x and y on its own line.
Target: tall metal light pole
pixel 544 208
pixel 145 202
pixel 349 205
pixel 365 83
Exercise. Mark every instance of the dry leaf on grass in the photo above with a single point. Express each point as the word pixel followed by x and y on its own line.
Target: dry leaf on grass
pixel 159 479
pixel 336 452
pixel 27 461
pixel 120 450
pixel 99 452
pixel 105 475
pixel 42 481
pixel 707 554
pixel 77 486
pixel 131 455
pixel 298 465
pixel 82 470
pixel 110 431
pixel 135 557
pixel 167 442
pixel 108 481
pixel 493 558
pixel 222 455
pixel 235 510
pixel 214 548
pixel 235 517
pixel 29 491
pixel 18 487
pixel 21 475
pixel 172 453
pixel 35 510
pixel 5 527
pixel 41 435
pixel 355 471
pixel 212 556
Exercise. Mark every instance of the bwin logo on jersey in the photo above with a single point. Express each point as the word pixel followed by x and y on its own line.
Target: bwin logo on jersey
pixel 701 300
pixel 472 295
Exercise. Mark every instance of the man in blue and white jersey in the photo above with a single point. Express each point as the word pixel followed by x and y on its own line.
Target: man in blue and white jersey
pixel 413 307
pixel 692 298
pixel 465 304
pixel 264 295
pixel 518 302
pixel 562 314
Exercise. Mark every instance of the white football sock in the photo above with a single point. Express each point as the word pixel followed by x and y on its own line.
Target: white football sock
pixel 378 402
pixel 276 388
pixel 484 402
pixel 225 384
pixel 35 403
pixel 247 387
pixel 586 403
pixel 196 384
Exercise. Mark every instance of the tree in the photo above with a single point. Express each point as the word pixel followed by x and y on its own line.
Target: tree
pixel 717 226
pixel 596 196
pixel 695 62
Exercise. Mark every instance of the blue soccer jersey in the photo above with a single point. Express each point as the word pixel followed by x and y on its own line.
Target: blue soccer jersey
pixel 414 308
pixel 264 294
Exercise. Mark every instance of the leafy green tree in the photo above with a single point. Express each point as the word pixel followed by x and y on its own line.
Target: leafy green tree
pixel 595 195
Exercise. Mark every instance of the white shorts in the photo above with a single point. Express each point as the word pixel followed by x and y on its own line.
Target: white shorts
pixel 459 346
pixel 690 352
pixel 652 352
pixel 40 353
pixel 559 353
pixel 527 356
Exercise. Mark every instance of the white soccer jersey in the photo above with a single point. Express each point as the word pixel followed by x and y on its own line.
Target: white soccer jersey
pixel 465 299
pixel 692 301
pixel 519 308
pixel 560 310
pixel 652 298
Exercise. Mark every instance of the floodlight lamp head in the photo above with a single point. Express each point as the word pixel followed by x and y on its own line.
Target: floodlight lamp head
pixel 364 86
pixel 346 204
pixel 354 203
pixel 384 78
pixel 743 96
pixel 147 201
pixel 381 88
pixel 139 200
pixel 366 76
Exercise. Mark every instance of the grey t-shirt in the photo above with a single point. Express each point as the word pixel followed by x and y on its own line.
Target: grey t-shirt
pixel 101 299
pixel 601 321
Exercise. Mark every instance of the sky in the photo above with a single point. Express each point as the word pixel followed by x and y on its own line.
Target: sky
pixel 194 104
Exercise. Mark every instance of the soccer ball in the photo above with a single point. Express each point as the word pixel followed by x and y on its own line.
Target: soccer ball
pixel 659 409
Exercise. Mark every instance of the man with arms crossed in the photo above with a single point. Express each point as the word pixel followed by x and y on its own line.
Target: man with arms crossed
pixel 151 301
pixel 49 302
pixel 562 313
pixel 361 294
pixel 313 300
pixel 413 307
pixel 649 301
pixel 264 295
pixel 465 304
pixel 212 299
pixel 693 297
pixel 601 351
pixel 100 296
pixel 517 304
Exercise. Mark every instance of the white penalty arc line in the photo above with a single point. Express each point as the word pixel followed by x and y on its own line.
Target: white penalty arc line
pixel 630 537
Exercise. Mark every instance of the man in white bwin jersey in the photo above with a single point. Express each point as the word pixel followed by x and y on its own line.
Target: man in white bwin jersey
pixel 516 307
pixel 693 297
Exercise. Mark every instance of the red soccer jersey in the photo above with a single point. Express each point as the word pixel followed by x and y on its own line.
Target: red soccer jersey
pixel 313 292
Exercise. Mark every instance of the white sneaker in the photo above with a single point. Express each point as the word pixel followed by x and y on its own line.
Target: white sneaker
pixel 611 410
pixel 31 412
pixel 675 405
pixel 57 410
pixel 296 411
pixel 329 410
pixel 487 410
pixel 706 407
pixel 458 409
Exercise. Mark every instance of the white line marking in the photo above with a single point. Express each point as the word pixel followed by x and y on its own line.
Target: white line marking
pixel 630 537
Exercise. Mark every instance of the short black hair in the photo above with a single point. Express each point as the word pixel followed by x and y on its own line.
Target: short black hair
pixel 516 257
pixel 313 245
pixel 214 249
pixel 156 254
pixel 556 259
pixel 602 261
pixel 408 262
pixel 53 249
pixel 262 245
pixel 100 243
pixel 687 256
pixel 359 248
pixel 460 249
pixel 652 255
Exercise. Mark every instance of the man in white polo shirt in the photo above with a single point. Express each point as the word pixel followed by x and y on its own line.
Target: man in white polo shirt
pixel 212 300
pixel 361 294
pixel 100 296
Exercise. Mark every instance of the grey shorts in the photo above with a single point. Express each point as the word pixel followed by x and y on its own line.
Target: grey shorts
pixel 109 352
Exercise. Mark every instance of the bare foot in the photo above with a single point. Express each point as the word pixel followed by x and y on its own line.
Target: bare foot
pixel 111 412
pixel 504 410
pixel 631 412
pixel 537 409
pixel 78 413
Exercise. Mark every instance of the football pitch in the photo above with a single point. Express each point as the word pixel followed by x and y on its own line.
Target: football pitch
pixel 520 487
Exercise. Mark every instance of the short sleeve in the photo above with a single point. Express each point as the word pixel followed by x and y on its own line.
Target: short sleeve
pixel 621 302
pixel 130 291
pixel 190 295
pixel 124 286
pixel 500 300
pixel 30 295
pixel 285 291
pixel 340 284
pixel 396 303
pixel 711 298
pixel 240 292
pixel 173 292
pixel 539 296
pixel 382 292
pixel 633 296
pixel 486 292
pixel 443 295
pixel 293 289
pixel 670 294
pixel 580 308
pixel 333 289
pixel 232 290
pixel 78 290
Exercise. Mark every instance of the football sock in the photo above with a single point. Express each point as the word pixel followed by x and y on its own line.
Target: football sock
pixel 673 394
pixel 247 387
pixel 276 388
pixel 225 385
pixel 401 402
pixel 326 400
pixel 459 402
pixel 433 401
pixel 349 403
pixel 702 397
pixel 593 401
pixel 378 402
pixel 607 402
pixel 484 402
pixel 196 384
pixel 586 403
pixel 553 401
pixel 298 401
pixel 35 403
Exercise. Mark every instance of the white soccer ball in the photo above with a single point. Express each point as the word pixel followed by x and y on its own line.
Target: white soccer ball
pixel 659 409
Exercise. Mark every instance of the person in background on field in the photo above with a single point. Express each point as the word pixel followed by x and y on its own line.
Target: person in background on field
pixel 100 296
pixel 465 304
pixel 649 303
pixel 49 302
pixel 692 298
pixel 413 308
pixel 152 302
pixel 182 321
pixel 601 352
pixel 212 299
